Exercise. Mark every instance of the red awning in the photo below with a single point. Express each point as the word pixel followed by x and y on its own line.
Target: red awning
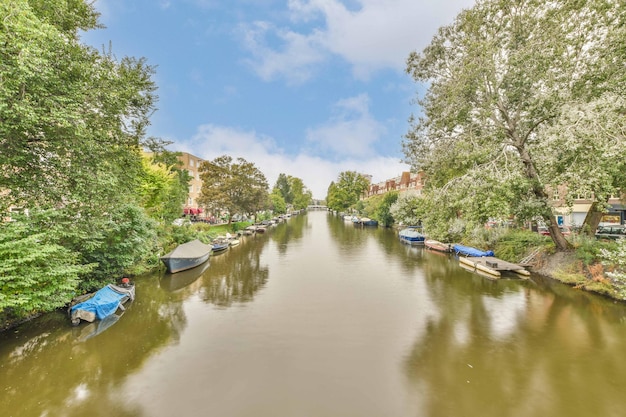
pixel 192 210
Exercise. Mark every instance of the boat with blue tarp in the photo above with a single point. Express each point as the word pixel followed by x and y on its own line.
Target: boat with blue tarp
pixel 412 236
pixel 103 303
pixel 470 251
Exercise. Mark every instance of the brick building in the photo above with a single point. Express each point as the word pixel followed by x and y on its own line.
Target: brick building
pixel 405 182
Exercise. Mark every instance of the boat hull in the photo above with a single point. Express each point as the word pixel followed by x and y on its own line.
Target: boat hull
pixel 187 256
pixel 411 237
pixel 438 246
pixel 174 265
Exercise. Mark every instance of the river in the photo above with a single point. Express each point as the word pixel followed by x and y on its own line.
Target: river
pixel 319 318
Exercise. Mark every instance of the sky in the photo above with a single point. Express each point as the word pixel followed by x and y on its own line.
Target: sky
pixel 308 88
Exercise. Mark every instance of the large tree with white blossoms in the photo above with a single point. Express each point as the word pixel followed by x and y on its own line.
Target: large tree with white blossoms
pixel 497 80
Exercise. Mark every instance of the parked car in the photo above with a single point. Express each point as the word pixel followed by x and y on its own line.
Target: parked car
pixel 182 222
pixel 543 230
pixel 611 232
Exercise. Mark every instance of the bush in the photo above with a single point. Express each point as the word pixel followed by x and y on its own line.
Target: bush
pixel 36 274
pixel 513 244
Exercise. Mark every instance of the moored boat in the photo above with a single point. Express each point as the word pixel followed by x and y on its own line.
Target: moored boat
pixel 187 256
pixel 365 221
pixel 179 280
pixel 220 246
pixel 103 303
pixel 438 246
pixel 470 251
pixel 412 236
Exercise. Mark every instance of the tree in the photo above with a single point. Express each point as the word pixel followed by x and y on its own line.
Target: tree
pixel 234 187
pixel 584 151
pixel 36 273
pixel 497 77
pixel 71 118
pixel 284 188
pixel 383 211
pixel 301 196
pixel 176 194
pixel 348 189
pixel 277 202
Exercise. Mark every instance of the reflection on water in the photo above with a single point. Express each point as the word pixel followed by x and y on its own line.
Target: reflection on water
pixel 319 318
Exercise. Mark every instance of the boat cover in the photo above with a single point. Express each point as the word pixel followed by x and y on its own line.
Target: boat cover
pixel 104 302
pixel 469 251
pixel 189 250
pixel 411 233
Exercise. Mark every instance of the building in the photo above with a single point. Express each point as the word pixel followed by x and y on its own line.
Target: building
pixel 567 216
pixel 575 215
pixel 405 182
pixel 191 163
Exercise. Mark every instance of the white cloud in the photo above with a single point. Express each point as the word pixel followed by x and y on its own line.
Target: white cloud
pixel 295 61
pixel 212 141
pixel 378 34
pixel 350 132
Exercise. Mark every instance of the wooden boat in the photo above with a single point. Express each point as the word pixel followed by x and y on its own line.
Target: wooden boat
pixel 412 236
pixel 438 246
pixel 103 303
pixel 187 256
pixel 470 251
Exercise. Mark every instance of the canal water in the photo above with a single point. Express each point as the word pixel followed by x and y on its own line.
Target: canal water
pixel 319 318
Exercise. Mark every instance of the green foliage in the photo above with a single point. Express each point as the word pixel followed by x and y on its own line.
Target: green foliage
pixel 292 191
pixel 383 214
pixel 36 274
pixel 302 197
pixel 71 118
pixel 591 251
pixel 118 242
pixel 614 257
pixel 409 209
pixel 499 77
pixel 157 186
pixel 237 187
pixel 283 187
pixel 513 245
pixel 348 189
pixel 277 202
pixel 174 195
pixel 378 207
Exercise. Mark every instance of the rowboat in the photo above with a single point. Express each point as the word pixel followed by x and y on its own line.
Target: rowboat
pixel 438 246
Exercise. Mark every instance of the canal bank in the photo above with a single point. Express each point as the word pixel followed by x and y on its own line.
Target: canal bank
pixel 566 268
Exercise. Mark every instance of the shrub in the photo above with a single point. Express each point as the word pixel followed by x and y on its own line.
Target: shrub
pixel 36 274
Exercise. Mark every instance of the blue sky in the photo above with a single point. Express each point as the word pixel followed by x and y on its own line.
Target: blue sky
pixel 309 88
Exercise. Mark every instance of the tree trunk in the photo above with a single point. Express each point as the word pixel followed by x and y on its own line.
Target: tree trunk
pixel 540 193
pixel 556 235
pixel 592 219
